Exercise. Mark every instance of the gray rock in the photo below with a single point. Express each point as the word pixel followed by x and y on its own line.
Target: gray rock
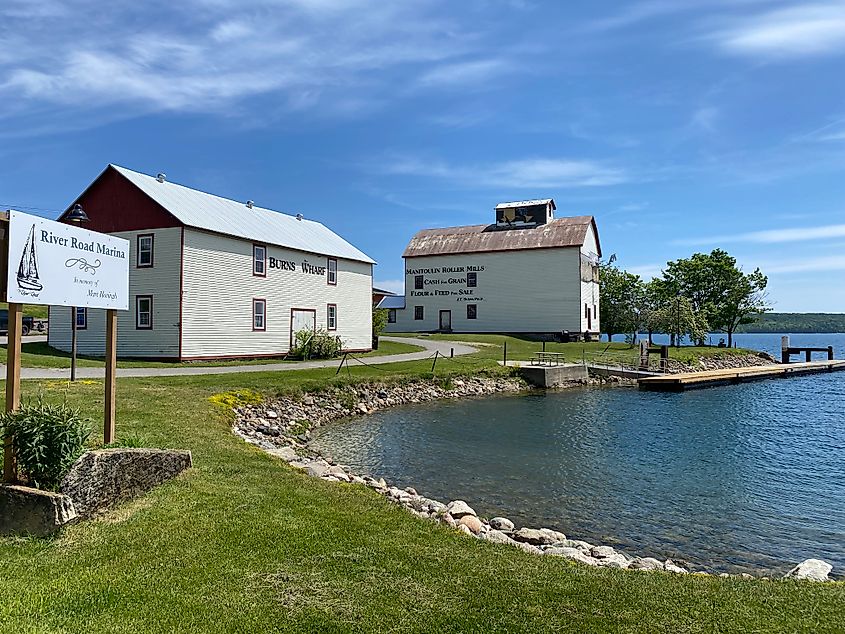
pixel 103 478
pixel 617 560
pixel 671 566
pixel 528 548
pixel 285 453
pixel 810 570
pixel 26 511
pixel 459 508
pixel 538 536
pixel 271 414
pixel 501 524
pixel 572 553
pixel 497 537
pixel 317 468
pixel 574 543
pixel 645 563
pixel 602 552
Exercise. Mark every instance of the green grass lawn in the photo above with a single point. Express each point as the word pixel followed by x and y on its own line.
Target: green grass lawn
pixel 37 354
pixel 244 543
pixel 522 348
pixel 38 312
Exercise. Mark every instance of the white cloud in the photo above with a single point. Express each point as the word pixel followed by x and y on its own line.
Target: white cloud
pixel 211 55
pixel 801 30
pixel 773 236
pixel 805 265
pixel 529 173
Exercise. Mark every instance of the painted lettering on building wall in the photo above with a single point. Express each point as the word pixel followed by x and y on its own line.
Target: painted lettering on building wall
pixel 289 265
pixel 457 282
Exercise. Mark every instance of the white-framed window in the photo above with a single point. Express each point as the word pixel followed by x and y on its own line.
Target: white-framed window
pixel 331 272
pixel 391 315
pixel 331 317
pixel 144 256
pixel 144 312
pixel 259 314
pixel 259 260
pixel 81 318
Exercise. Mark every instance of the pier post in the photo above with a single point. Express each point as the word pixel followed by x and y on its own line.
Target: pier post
pixel 784 349
pixel 830 353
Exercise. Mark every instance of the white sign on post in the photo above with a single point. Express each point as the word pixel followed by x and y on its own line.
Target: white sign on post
pixel 55 264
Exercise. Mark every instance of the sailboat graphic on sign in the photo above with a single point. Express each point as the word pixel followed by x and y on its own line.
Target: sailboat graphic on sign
pixel 28 268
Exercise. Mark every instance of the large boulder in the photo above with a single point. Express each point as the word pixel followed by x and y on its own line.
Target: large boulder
pixel 574 554
pixel 106 477
pixel 810 570
pixel 538 536
pixel 471 522
pixel 501 524
pixel 459 508
pixel 26 511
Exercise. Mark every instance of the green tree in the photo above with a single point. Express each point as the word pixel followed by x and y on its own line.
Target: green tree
pixel 619 298
pixel 744 299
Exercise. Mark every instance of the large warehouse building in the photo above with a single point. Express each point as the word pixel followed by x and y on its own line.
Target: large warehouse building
pixel 528 272
pixel 216 278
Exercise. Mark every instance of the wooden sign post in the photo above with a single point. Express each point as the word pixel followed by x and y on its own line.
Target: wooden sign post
pixel 13 384
pixel 111 371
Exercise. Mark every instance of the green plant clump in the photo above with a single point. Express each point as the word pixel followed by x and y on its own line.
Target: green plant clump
pixel 319 344
pixel 47 440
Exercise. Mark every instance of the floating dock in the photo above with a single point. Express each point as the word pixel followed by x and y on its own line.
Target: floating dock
pixel 711 378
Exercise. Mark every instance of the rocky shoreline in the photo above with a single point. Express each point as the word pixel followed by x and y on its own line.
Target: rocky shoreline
pixel 282 427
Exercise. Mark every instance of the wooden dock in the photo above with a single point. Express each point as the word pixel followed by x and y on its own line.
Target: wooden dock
pixel 712 378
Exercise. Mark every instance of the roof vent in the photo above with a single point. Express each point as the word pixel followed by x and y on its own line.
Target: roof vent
pixel 249 204
pixel 161 177
pixel 299 216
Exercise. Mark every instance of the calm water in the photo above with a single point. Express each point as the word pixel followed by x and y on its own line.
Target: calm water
pixel 746 477
pixel 771 342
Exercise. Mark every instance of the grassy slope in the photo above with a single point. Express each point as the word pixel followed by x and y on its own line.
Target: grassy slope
pixel 38 312
pixel 245 543
pixel 522 349
pixel 38 354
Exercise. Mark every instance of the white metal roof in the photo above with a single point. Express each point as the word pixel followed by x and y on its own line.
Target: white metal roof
pixel 221 215
pixel 526 203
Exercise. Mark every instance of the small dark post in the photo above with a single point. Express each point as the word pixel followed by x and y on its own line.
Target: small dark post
pixel 784 349
pixel 808 355
pixel 830 353
pixel 544 346
pixel 664 357
pixel 505 352
pixel 451 353
pixel 436 354
pixel 342 361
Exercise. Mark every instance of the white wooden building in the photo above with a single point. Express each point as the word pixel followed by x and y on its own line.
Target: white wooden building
pixel 214 278
pixel 528 272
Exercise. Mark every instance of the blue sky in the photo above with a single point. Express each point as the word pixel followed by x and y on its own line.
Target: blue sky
pixel 681 126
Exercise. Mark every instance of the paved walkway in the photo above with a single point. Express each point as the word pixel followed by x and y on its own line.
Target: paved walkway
pixel 431 346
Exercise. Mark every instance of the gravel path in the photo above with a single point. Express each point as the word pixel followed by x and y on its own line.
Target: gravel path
pixel 430 345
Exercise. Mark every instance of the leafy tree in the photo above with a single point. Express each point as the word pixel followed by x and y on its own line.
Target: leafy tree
pixel 619 298
pixel 744 299
pixel 679 319
pixel 379 321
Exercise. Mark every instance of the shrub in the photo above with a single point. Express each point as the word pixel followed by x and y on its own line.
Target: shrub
pixel 319 344
pixel 47 440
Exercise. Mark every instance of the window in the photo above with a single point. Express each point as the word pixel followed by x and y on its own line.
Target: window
pixel 144 256
pixel 391 315
pixel 259 260
pixel 472 280
pixel 418 312
pixel 331 272
pixel 259 314
pixel 81 318
pixel 331 317
pixel 472 311
pixel 418 282
pixel 144 312
pixel 594 311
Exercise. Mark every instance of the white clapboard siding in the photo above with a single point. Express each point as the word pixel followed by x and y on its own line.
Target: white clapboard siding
pixel 219 288
pixel 590 290
pixel 535 290
pixel 161 281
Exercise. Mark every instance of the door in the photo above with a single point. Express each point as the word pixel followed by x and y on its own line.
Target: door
pixel 446 320
pixel 301 319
